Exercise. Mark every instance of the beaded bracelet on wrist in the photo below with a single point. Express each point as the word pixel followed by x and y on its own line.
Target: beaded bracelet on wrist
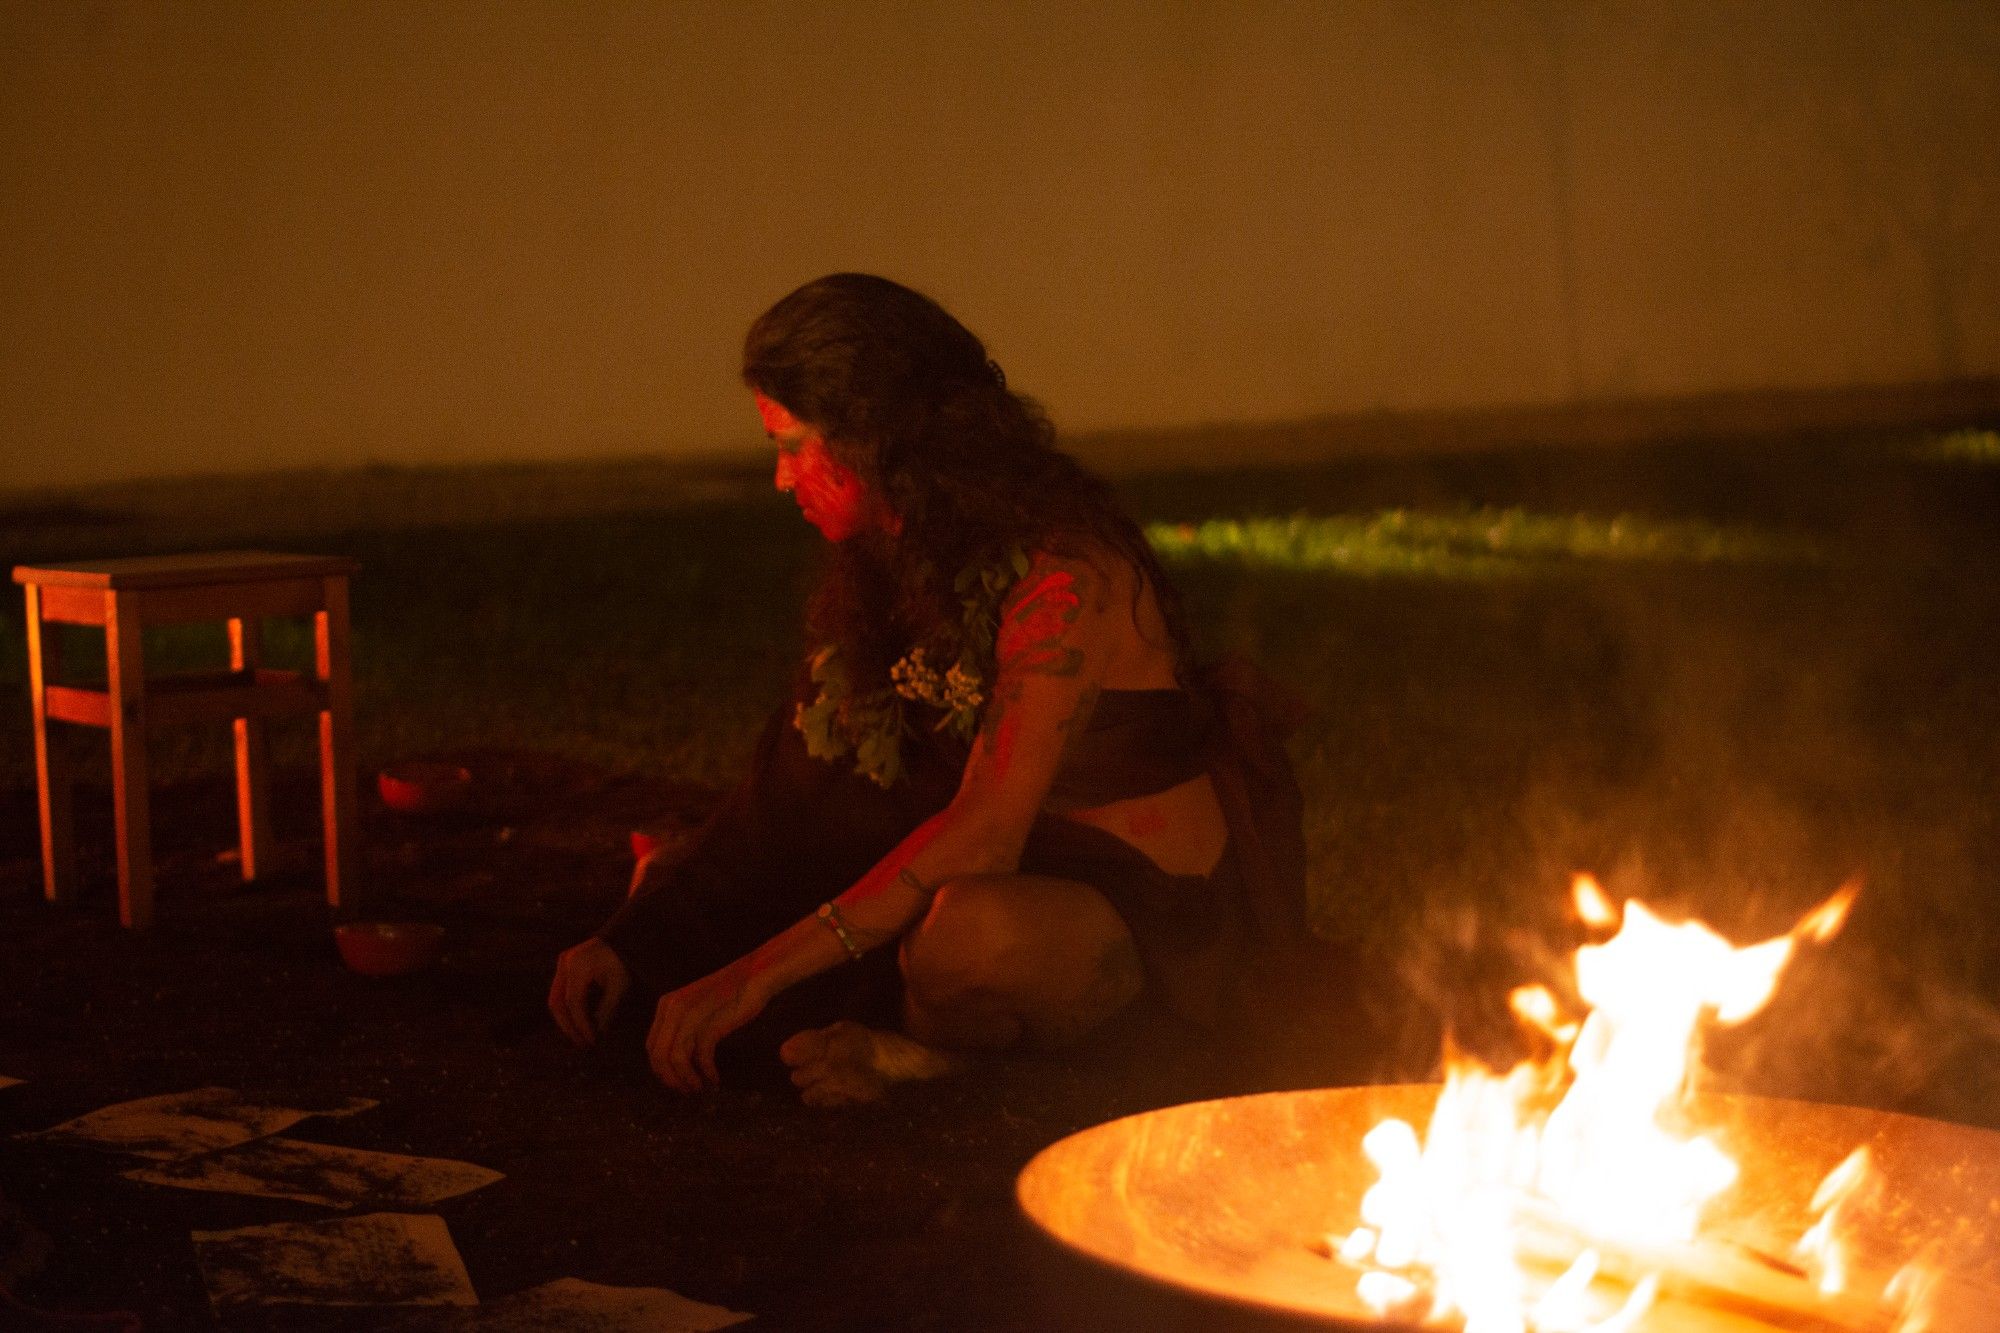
pixel 842 931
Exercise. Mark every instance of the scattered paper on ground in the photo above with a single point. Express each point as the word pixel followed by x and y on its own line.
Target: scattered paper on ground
pixel 321 1173
pixel 377 1259
pixel 183 1124
pixel 572 1305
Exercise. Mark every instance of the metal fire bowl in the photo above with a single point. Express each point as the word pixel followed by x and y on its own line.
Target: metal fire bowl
pixel 1207 1215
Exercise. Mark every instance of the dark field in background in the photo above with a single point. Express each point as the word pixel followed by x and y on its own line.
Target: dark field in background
pixel 1780 668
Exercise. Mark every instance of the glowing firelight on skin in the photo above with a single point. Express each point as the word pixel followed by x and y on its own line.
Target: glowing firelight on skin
pixel 1555 1156
pixel 831 496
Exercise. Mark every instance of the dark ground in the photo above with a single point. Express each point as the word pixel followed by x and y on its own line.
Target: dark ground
pixel 892 1217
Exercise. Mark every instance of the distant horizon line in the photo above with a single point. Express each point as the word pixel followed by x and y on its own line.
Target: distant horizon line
pixel 1606 421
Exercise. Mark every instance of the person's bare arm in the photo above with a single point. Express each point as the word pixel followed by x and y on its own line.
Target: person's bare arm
pixel 590 982
pixel 1058 629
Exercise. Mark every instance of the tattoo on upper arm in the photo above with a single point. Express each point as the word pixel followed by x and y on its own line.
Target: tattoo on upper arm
pixel 1005 696
pixel 1079 717
pixel 1034 641
pixel 1038 620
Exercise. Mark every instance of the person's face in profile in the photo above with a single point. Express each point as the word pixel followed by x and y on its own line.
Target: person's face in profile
pixel 832 496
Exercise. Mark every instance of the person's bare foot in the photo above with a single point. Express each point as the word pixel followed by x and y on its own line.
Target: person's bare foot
pixel 847 1063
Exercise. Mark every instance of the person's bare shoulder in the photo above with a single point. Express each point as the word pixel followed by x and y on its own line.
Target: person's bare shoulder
pixel 1112 589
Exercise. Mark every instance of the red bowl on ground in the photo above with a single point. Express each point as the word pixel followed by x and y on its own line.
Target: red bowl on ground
pixel 388 948
pixel 423 786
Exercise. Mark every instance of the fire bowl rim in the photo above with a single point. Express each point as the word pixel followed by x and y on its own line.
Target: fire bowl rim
pixel 1204 1296
pixel 1870 1122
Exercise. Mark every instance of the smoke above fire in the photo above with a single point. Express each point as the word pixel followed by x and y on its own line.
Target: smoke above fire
pixel 1721 743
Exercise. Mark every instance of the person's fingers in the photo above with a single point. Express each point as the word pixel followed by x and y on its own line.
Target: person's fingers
pixel 659 1039
pixel 609 994
pixel 577 1002
pixel 803 1047
pixel 687 1027
pixel 562 1003
pixel 713 1022
pixel 738 1014
pixel 669 1046
pixel 704 1051
pixel 685 1041
pixel 681 1060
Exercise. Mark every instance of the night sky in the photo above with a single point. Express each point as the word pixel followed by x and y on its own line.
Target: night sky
pixel 238 236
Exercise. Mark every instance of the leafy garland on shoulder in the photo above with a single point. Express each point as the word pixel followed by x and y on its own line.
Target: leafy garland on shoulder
pixel 870 724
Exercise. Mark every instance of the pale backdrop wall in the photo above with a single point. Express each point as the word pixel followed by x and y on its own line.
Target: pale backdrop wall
pixel 239 236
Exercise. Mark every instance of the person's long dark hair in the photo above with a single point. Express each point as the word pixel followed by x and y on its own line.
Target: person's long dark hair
pixel 907 397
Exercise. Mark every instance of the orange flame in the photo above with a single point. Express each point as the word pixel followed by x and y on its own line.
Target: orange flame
pixel 1821 1247
pixel 1591 904
pixel 1824 922
pixel 1538 1169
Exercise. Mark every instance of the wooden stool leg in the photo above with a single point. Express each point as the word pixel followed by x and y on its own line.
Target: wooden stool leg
pixel 336 745
pixel 52 773
pixel 253 759
pixel 126 658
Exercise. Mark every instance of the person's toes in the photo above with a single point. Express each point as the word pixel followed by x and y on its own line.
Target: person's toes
pixel 846 1063
pixel 898 1058
pixel 845 1087
pixel 849 1043
pixel 805 1048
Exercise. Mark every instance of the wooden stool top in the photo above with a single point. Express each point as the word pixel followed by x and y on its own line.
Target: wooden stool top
pixel 192 569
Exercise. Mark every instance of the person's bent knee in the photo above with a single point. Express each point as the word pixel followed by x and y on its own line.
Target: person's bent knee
pixel 1114 979
pixel 962 944
pixel 1051 955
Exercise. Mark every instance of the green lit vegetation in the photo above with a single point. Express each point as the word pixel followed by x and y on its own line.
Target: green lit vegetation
pixel 1469 544
pixel 1963 446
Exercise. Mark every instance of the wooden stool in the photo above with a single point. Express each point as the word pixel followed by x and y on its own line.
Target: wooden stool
pixel 125 596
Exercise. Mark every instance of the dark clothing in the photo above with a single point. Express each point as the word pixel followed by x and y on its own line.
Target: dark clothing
pixel 799 830
pixel 1137 743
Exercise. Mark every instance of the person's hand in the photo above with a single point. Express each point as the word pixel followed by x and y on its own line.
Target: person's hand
pixel 590 981
pixel 691 1020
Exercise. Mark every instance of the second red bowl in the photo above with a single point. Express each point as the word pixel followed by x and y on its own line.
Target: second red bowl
pixel 423 786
